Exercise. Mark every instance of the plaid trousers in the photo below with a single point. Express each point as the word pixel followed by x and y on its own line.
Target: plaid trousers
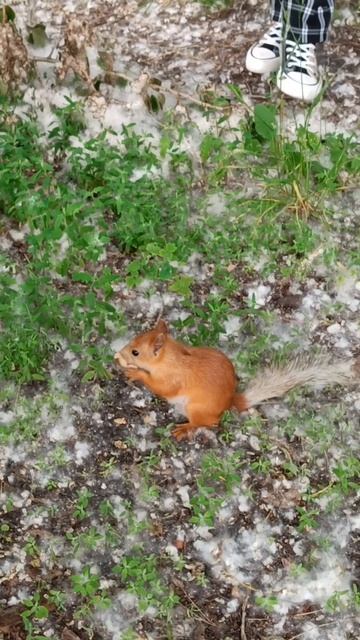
pixel 305 21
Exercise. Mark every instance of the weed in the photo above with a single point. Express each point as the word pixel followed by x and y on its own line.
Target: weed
pixel 291 469
pixel 107 467
pixel 87 586
pixel 140 576
pixel 223 472
pixel 106 509
pixel 336 601
pixel 83 500
pixel 118 196
pixel 34 612
pixel 206 320
pixel 59 456
pixel 31 547
pixel 111 536
pixel 9 505
pixel 86 583
pixel 52 485
pixel 90 539
pixel 324 543
pixel 71 123
pixel 129 634
pixel 205 506
pixel 261 465
pixel 134 524
pixel 202 580
pixel 5 533
pixel 132 212
pixel 355 596
pixel 307 519
pixel 216 475
pixel 217 4
pixel 267 602
pixel 58 599
pixel 298 570
pixel 347 473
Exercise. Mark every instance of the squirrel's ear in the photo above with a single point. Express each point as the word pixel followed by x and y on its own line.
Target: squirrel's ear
pixel 160 331
pixel 161 327
pixel 159 342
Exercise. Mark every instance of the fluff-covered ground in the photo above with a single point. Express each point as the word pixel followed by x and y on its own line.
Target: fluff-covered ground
pixel 246 238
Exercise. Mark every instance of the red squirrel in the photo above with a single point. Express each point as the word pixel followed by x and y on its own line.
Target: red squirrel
pixel 201 382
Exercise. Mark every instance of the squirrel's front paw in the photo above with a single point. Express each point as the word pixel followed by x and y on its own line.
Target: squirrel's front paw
pixel 131 373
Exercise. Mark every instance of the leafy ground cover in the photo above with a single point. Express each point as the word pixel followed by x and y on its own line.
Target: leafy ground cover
pixel 238 218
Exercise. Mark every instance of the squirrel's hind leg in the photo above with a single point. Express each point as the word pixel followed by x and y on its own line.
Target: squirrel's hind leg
pixel 197 419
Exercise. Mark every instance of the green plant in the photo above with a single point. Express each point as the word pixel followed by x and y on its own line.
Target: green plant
pixel 31 547
pixel 267 602
pixel 262 465
pixel 90 539
pixel 9 505
pixel 347 473
pixel 5 533
pixel 221 471
pixel 298 570
pixel 107 467
pixel 217 4
pixel 86 583
pixel 207 320
pixel 140 576
pixel 142 214
pixel 355 596
pixel 336 601
pixel 33 613
pixel 87 586
pixel 149 491
pixel 106 509
pixel 217 474
pixel 71 123
pixel 58 598
pixel 205 506
pixel 129 634
pixel 83 500
pixel 307 518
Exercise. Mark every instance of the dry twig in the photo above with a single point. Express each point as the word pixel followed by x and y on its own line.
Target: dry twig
pixel 243 618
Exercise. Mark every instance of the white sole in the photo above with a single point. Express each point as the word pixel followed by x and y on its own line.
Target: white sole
pixel 304 92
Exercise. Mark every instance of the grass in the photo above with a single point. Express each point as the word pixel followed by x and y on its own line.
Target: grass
pixel 119 201
pixel 102 224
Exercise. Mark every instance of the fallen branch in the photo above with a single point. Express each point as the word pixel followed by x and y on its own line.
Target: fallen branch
pixel 243 618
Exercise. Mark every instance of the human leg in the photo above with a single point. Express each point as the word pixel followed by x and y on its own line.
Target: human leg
pixel 265 55
pixel 305 24
pixel 289 46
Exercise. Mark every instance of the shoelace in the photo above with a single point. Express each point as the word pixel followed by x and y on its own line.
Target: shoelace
pixel 301 58
pixel 272 39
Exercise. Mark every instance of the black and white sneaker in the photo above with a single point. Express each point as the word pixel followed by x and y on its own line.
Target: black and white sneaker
pixel 265 55
pixel 299 77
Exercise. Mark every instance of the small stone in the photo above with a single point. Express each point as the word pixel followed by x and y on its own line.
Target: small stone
pixel 334 328
pixel 119 444
pixel 120 421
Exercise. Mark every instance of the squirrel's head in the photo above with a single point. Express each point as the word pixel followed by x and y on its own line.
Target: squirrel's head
pixel 145 349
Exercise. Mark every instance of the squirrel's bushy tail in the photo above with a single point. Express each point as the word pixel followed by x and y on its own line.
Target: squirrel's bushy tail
pixel 318 370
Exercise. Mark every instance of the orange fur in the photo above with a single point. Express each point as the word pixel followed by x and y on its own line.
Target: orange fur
pixel 203 380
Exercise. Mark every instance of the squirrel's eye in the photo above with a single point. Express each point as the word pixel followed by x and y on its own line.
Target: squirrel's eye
pixel 134 352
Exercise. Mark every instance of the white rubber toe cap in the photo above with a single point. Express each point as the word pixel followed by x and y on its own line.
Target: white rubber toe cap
pixel 299 85
pixel 261 60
